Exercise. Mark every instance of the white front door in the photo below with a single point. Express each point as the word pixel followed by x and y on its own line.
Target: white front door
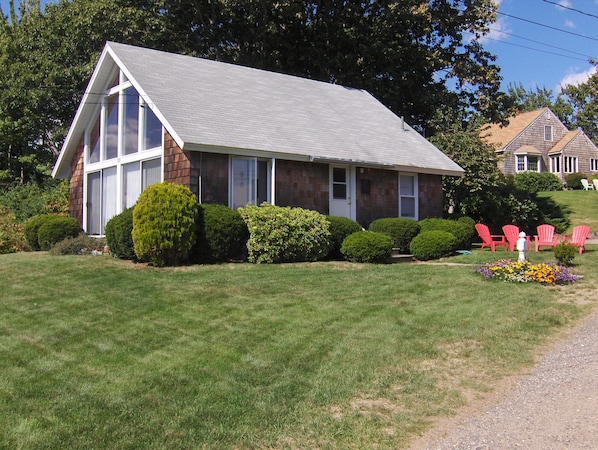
pixel 342 191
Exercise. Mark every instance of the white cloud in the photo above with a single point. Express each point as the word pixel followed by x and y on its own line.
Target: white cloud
pixel 575 78
pixel 565 4
pixel 498 31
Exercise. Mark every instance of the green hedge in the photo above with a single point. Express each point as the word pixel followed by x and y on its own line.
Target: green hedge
pixel 367 247
pixel 401 230
pixel 433 244
pixel 462 231
pixel 55 229
pixel 119 235
pixel 340 228
pixel 282 234
pixel 32 228
pixel 222 234
pixel 164 224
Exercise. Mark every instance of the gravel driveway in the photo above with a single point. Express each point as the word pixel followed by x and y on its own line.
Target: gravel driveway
pixel 555 407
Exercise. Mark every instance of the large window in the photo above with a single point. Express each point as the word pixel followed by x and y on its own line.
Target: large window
pixel 408 196
pixel 570 164
pixel 250 181
pixel 594 164
pixel 123 154
pixel 528 163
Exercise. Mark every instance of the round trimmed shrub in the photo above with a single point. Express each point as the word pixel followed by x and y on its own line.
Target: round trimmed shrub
pixel 119 235
pixel 400 229
pixel 460 230
pixel 32 228
pixel 56 229
pixel 164 224
pixel 433 244
pixel 367 247
pixel 222 234
pixel 340 228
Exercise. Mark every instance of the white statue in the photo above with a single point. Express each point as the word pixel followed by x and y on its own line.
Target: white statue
pixel 521 246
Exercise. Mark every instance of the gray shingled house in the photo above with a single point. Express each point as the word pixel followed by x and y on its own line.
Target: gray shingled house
pixel 236 135
pixel 537 141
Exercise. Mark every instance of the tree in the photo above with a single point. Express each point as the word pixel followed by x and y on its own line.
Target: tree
pixel 583 102
pixel 413 55
pixel 468 195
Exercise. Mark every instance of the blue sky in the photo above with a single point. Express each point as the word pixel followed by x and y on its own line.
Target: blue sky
pixel 538 43
pixel 541 44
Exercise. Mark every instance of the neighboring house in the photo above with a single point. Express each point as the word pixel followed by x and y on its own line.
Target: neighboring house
pixel 538 141
pixel 236 135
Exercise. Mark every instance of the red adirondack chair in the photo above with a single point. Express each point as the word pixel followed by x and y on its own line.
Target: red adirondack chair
pixel 579 236
pixel 512 234
pixel 490 240
pixel 545 237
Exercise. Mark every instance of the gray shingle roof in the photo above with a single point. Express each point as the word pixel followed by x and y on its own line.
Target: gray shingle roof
pixel 208 103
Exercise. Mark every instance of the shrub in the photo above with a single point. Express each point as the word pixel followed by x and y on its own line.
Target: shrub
pixel 222 234
pixel 565 253
pixel 30 200
pixel 164 224
pixel 433 244
pixel 401 230
pixel 573 180
pixel 32 228
pixel 469 225
pixel 367 247
pixel 534 182
pixel 119 235
pixel 79 245
pixel 12 234
pixel 55 229
pixel 340 228
pixel 282 234
pixel 462 231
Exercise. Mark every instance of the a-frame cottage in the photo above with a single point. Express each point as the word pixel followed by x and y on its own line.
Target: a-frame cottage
pixel 236 135
pixel 537 141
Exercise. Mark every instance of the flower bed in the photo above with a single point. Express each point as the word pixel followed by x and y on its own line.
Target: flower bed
pixel 526 272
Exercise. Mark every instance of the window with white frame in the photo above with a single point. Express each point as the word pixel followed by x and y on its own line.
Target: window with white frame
pixel 123 148
pixel 594 164
pixel 528 163
pixel 570 164
pixel 408 207
pixel 548 132
pixel 555 164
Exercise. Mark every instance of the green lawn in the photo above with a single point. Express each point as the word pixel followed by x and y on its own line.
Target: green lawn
pixel 101 353
pixel 583 206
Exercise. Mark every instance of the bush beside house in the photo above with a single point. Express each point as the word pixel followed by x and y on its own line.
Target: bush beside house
pixel 222 234
pixel 401 230
pixel 164 224
pixel 340 228
pixel 367 247
pixel 283 234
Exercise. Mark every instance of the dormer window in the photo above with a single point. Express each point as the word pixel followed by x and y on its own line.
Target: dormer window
pixel 548 132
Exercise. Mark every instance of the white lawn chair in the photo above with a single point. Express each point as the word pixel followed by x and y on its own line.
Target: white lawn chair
pixel 595 181
pixel 586 184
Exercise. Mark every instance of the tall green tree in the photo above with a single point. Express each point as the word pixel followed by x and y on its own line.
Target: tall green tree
pixel 583 102
pixel 413 55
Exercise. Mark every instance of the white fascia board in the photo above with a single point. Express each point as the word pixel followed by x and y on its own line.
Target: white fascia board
pixel 148 101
